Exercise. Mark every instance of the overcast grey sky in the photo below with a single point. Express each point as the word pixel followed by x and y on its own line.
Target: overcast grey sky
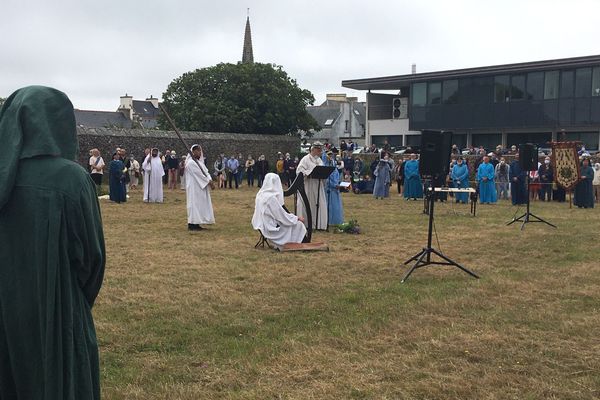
pixel 96 51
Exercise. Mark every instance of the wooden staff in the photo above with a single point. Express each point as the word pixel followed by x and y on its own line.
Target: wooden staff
pixel 181 138
pixel 570 199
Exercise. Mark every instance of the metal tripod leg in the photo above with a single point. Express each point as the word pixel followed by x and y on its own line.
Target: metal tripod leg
pixel 452 262
pixel 415 265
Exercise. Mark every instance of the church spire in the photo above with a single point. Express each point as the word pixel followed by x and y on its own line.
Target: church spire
pixel 247 55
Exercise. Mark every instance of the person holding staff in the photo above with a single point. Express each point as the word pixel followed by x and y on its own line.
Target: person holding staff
pixel 197 190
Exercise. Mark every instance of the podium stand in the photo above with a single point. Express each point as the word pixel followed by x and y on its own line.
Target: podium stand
pixel 320 172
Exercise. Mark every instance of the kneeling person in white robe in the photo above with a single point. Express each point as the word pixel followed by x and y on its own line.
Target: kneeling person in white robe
pixel 197 190
pixel 277 225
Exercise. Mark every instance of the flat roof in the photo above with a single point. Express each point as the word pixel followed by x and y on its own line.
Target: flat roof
pixel 398 81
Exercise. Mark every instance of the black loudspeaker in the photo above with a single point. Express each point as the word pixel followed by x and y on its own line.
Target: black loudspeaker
pixel 435 152
pixel 396 103
pixel 528 157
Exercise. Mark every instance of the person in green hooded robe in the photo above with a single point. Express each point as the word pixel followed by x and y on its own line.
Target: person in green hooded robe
pixel 51 251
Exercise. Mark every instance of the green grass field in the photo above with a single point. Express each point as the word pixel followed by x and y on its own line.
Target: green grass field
pixel 204 315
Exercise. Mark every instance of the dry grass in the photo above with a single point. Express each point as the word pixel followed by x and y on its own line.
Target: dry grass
pixel 205 316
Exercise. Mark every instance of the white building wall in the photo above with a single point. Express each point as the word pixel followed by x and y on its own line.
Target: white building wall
pixel 337 131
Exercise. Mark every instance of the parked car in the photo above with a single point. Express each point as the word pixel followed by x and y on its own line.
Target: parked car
pixel 305 148
pixel 400 150
pixel 544 151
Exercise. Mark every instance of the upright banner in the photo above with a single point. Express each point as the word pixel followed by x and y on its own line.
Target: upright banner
pixel 566 164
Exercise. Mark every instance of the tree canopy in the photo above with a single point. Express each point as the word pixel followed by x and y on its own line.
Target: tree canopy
pixel 2 100
pixel 238 98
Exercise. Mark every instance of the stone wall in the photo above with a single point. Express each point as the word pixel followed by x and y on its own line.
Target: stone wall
pixel 136 140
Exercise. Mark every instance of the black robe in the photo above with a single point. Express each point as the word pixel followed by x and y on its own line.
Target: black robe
pixel 518 183
pixel 584 193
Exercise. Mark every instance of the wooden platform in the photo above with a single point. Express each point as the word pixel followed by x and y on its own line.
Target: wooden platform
pixel 305 247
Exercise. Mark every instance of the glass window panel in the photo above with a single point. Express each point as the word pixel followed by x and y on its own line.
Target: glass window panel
pixel 583 82
pixel 551 85
pixel 517 87
pixel 460 140
pixel 566 84
pixel 395 140
pixel 412 140
pixel 596 82
pixel 590 139
pixel 482 87
pixel 489 141
pixel 450 92
pixel 539 138
pixel 419 94
pixel 465 90
pixel 501 86
pixel 434 93
pixel 535 86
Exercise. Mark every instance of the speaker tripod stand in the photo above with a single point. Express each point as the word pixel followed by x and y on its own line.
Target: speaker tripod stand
pixel 423 258
pixel 529 216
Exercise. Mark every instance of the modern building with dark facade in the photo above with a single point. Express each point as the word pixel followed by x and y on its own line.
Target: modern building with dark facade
pixel 506 104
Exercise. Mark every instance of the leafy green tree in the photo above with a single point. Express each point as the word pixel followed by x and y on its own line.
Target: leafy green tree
pixel 238 98
pixel 2 100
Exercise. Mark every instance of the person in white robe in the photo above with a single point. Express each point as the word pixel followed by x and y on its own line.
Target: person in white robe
pixel 275 223
pixel 197 190
pixel 311 187
pixel 153 173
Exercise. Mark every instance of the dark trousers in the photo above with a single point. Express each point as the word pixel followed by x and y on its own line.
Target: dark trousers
pixel 250 178
pixel 232 177
pixel 546 192
pixel 291 177
pixel 261 178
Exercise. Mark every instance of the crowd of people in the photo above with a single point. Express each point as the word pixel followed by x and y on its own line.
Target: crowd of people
pixel 491 174
pixel 53 250
pixel 493 178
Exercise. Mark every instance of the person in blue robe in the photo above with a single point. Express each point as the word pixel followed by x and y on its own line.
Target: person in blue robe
pixel 460 180
pixel 382 179
pixel 413 187
pixel 485 179
pixel 518 184
pixel 335 210
pixel 584 192
pixel 115 180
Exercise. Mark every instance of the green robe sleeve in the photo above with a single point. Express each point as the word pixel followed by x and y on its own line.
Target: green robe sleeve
pixel 86 248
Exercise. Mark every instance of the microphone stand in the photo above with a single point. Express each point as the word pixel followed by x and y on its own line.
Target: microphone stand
pixel 527 217
pixel 423 258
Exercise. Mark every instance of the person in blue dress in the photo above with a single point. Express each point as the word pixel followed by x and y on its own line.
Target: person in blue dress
pixel 382 178
pixel 518 184
pixel 115 180
pixel 413 187
pixel 335 210
pixel 460 180
pixel 485 179
pixel 584 193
